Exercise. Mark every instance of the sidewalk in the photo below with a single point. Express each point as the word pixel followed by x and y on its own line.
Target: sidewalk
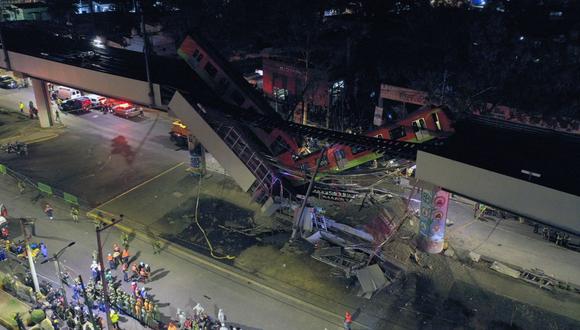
pixel 508 241
pixel 18 127
pixel 9 306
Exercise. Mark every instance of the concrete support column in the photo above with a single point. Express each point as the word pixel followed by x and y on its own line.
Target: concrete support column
pixel 432 219
pixel 196 155
pixel 42 102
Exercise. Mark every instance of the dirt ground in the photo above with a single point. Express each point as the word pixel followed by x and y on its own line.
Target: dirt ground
pixel 439 292
pixel 11 122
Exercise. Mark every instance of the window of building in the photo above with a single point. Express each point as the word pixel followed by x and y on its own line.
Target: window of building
pixel 210 69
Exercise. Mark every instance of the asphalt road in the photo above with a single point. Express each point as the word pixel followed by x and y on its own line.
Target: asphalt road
pixel 98 156
pixel 177 282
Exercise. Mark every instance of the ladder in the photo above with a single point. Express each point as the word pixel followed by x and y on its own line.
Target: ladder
pixel 541 280
pixel 261 189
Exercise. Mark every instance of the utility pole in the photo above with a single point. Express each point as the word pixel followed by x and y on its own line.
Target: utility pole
pixel 102 271
pixel 4 49
pixel 88 303
pixel 298 221
pixel 55 258
pixel 29 254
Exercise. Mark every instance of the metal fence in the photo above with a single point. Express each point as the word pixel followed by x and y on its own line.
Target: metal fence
pixel 23 181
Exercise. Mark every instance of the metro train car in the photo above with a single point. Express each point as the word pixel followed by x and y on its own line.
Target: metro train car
pixel 420 126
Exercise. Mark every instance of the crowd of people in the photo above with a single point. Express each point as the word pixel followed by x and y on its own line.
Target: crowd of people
pixel 198 319
pixel 560 238
pixel 87 307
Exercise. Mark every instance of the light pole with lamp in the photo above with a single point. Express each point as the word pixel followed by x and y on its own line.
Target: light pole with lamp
pixel 55 257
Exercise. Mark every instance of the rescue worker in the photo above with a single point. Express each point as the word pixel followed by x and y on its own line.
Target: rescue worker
pixel 125 256
pixel 74 213
pixel 156 246
pixel 111 261
pixel 137 309
pixel 558 238
pixel 114 318
pixel 545 233
pixel 21 187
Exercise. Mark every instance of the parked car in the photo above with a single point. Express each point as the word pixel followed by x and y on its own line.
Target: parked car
pixel 97 100
pixel 76 105
pixel 8 82
pixel 67 93
pixel 127 110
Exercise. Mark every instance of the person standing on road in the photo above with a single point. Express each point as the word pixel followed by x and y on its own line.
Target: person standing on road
pixel 21 186
pixel 111 261
pixel 125 241
pixel 31 109
pixel 48 211
pixel 3 211
pixel 125 269
pixel 57 116
pixel 558 238
pixel 347 321
pixel 125 256
pixel 545 233
pixel 156 246
pixel 221 316
pixel 21 107
pixel 43 249
pixel 74 213
pixel 114 318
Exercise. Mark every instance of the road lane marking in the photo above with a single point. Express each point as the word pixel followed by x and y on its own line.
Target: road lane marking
pixel 236 275
pixel 138 186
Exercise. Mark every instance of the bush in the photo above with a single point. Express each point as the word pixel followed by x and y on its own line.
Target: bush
pixel 36 316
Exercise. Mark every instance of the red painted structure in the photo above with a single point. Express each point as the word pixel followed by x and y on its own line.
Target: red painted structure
pixel 295 80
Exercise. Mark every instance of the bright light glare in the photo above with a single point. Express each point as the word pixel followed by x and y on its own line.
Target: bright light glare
pixel 97 42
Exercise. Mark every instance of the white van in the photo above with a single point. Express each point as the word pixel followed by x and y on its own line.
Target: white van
pixel 66 93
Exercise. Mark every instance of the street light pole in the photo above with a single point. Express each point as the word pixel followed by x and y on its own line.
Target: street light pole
pixel 102 271
pixel 55 258
pixel 30 260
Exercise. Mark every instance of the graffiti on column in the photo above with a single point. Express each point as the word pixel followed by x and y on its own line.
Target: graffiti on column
pixel 425 214
pixel 432 219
